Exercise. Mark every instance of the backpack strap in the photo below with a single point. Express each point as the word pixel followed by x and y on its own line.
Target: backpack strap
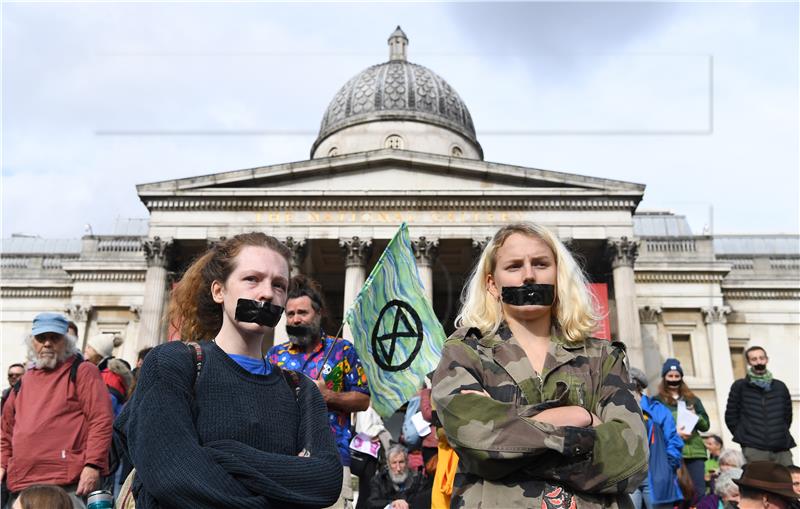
pixel 120 397
pixel 73 370
pixel 197 358
pixel 293 379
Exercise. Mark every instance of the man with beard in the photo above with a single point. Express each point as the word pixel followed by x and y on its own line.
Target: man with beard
pixel 331 362
pixel 759 412
pixel 57 421
pixel 396 487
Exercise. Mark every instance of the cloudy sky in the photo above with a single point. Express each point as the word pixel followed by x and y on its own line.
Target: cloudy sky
pixel 699 101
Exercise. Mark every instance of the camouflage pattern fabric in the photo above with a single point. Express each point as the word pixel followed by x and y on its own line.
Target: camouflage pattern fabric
pixel 510 460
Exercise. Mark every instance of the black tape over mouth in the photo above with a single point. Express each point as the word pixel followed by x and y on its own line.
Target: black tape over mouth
pixel 529 295
pixel 254 311
pixel 298 331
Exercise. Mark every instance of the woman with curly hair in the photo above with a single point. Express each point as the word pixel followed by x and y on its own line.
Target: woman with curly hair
pixel 213 425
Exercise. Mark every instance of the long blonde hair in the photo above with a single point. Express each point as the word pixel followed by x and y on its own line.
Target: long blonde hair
pixel 573 309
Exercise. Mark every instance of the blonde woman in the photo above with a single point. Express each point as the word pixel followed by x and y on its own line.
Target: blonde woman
pixel 540 413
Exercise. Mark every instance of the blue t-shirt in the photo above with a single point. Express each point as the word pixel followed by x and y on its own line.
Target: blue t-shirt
pixel 255 366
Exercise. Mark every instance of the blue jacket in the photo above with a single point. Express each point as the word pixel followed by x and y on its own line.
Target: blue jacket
pixel 663 481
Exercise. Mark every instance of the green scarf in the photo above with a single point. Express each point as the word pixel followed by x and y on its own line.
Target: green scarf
pixel 764 381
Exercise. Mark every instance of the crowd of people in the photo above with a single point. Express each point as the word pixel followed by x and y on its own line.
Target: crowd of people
pixel 526 408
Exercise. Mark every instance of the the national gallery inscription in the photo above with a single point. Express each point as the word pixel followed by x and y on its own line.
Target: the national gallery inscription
pixel 388 217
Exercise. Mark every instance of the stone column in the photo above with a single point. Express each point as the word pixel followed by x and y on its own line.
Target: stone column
pixel 80 315
pixel 128 350
pixel 425 252
pixel 151 327
pixel 623 254
pixel 653 354
pixel 721 366
pixel 298 247
pixel 356 255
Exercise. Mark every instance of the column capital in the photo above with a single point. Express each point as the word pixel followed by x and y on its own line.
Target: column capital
pixel 136 311
pixel 622 252
pixel 299 248
pixel 171 278
pixel 425 250
pixel 211 242
pixel 716 314
pixel 157 251
pixel 649 314
pixel 77 313
pixel 356 251
pixel 478 245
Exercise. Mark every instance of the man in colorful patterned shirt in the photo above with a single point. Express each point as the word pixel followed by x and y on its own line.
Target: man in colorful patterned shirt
pixel 332 363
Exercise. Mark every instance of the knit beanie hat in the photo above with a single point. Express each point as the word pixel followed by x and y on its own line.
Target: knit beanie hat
pixel 670 365
pixel 104 344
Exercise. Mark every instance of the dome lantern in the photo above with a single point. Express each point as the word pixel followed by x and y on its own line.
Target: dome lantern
pixel 397 44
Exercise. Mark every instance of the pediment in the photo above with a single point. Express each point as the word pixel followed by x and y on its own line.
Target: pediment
pixel 389 172
pixel 399 177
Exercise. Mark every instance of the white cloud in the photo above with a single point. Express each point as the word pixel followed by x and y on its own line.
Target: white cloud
pixel 73 70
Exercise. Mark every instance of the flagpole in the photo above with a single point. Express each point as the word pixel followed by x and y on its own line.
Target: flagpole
pixel 358 296
pixel 327 355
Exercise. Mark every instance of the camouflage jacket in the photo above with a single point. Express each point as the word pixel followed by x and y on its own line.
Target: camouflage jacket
pixel 509 459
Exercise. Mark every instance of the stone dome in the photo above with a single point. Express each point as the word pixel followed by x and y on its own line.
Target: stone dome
pixel 397 90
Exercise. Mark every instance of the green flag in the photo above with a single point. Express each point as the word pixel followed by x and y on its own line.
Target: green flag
pixel 395 331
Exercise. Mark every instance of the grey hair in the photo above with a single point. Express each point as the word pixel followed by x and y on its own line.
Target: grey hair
pixel 72 348
pixel 732 457
pixel 724 485
pixel 395 449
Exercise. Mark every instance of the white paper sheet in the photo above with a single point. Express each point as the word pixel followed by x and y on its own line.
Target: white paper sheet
pixel 423 426
pixel 363 443
pixel 686 418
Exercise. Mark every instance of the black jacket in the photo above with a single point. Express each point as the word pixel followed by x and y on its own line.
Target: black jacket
pixel 383 492
pixel 760 418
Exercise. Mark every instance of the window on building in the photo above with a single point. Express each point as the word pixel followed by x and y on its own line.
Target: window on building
pixel 456 151
pixel 738 361
pixel 682 349
pixel 333 152
pixel 394 141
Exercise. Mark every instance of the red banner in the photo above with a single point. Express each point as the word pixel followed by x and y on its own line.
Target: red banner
pixel 600 293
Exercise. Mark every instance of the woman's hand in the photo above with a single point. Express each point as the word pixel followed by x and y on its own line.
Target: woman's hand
pixel 561 416
pixel 479 393
pixel 568 416
pixel 683 434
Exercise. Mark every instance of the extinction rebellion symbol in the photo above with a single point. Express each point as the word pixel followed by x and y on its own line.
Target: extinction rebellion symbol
pixel 405 325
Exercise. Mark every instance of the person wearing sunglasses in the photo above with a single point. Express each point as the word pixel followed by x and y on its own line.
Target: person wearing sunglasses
pixel 57 422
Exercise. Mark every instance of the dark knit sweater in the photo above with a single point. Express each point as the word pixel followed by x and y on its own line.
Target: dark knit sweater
pixel 229 440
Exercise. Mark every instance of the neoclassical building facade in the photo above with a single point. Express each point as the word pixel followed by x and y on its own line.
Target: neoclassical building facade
pixel 398 144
